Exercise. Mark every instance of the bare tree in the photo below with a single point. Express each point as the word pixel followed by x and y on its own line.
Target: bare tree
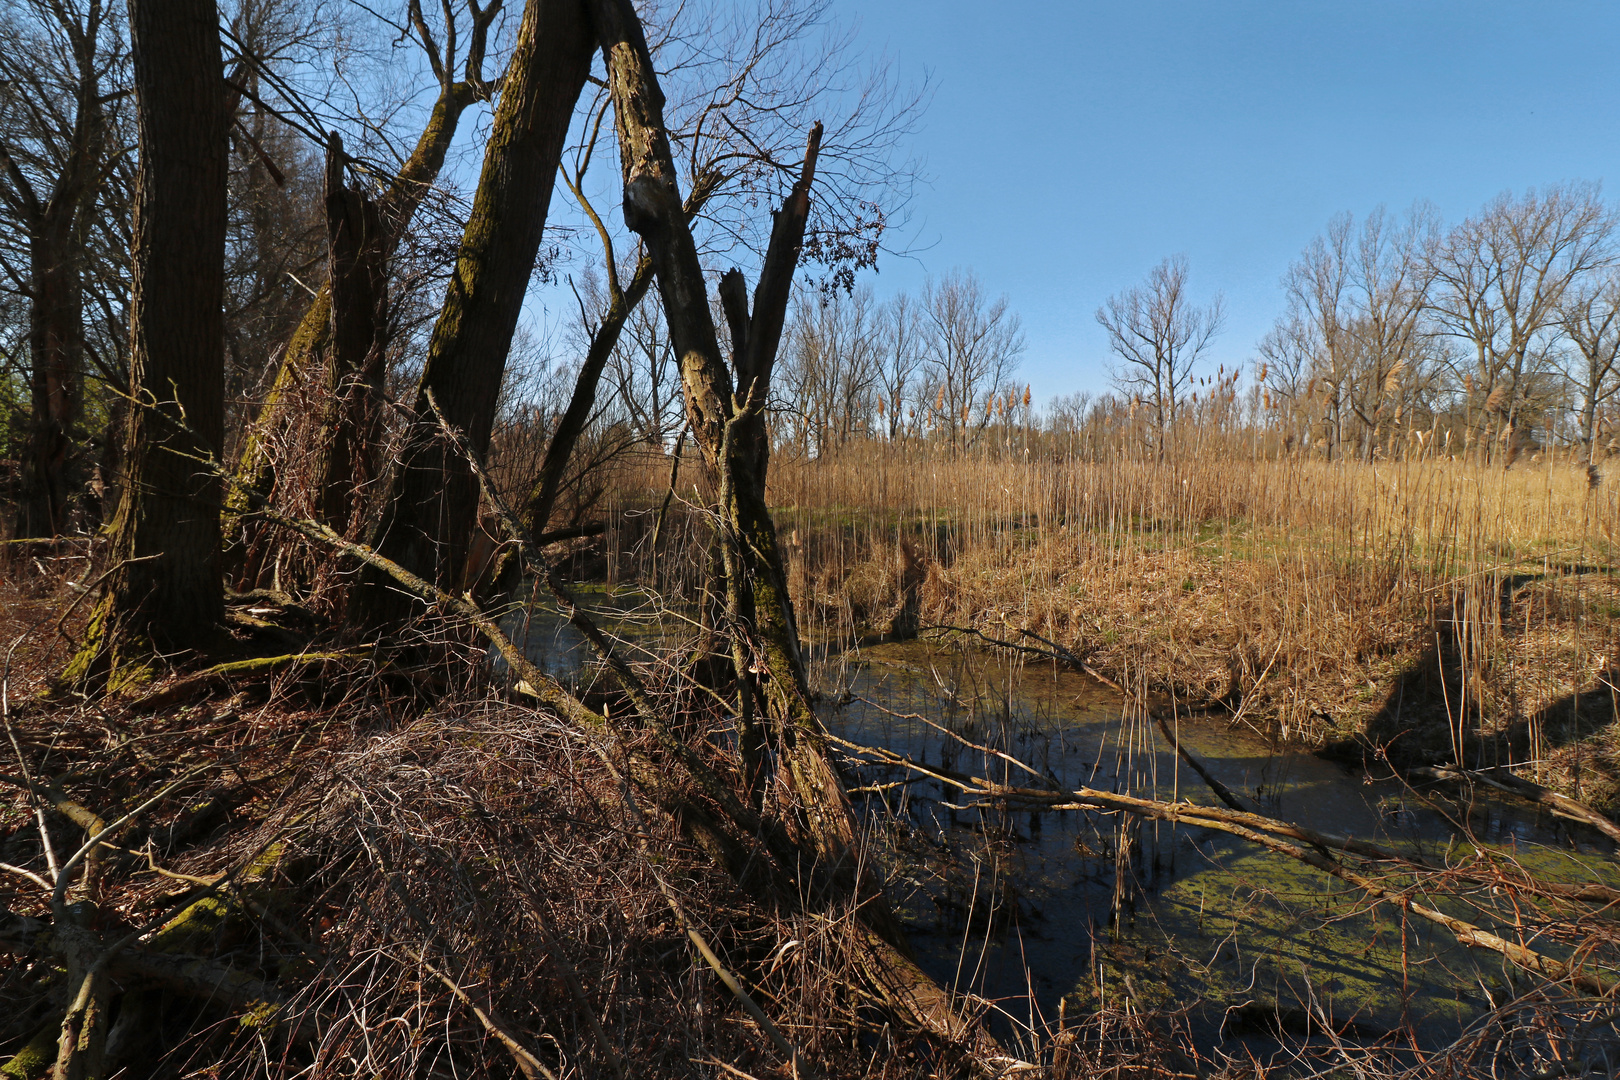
pixel 831 367
pixel 743 82
pixel 970 347
pixel 1589 314
pixel 1159 335
pixel 61 80
pixel 1390 277
pixel 902 358
pixel 742 86
pixel 1357 302
pixel 726 406
pixel 1288 356
pixel 1498 280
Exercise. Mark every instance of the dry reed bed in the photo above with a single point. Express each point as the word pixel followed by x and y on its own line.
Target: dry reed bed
pixel 1429 600
pixel 486 847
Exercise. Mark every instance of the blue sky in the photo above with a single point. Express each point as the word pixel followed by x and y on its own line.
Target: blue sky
pixel 1072 146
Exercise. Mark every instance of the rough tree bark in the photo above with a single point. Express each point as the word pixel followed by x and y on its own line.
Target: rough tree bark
pixel 166 589
pixel 727 423
pixel 432 506
pixel 308 350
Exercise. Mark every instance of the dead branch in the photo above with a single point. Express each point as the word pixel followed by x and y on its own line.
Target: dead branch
pixel 724 974
pixel 531 1066
pixel 1500 779
pixel 1269 833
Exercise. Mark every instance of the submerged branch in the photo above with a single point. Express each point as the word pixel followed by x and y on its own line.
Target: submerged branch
pixel 1311 848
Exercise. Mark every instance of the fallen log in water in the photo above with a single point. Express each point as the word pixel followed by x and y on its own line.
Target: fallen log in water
pixel 1500 779
pixel 1284 838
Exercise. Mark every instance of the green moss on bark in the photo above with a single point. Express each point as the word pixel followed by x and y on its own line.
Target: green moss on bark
pixel 35 1060
pixel 109 662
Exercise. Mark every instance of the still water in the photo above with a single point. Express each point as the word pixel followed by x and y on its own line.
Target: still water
pixel 1040 911
pixel 1030 909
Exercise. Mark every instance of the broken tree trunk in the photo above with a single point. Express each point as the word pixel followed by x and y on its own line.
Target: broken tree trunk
pixel 324 324
pixel 726 421
pixel 340 419
pixel 729 426
pixel 356 244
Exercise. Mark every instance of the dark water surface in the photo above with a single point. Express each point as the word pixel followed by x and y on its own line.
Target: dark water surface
pixel 1041 910
pixel 1030 909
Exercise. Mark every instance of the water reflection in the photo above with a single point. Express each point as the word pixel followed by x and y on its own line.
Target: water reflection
pixel 1029 908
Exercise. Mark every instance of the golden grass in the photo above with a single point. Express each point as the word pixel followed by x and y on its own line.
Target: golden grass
pixel 1457 607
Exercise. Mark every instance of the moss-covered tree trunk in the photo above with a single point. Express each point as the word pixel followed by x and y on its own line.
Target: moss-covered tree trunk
pixel 306 357
pixel 165 590
pixel 432 505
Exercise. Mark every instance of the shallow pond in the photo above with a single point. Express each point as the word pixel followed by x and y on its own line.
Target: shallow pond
pixel 1032 909
pixel 1042 911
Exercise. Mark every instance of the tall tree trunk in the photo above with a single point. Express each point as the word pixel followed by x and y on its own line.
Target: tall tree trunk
pixel 433 502
pixel 165 590
pixel 306 356
pixel 56 352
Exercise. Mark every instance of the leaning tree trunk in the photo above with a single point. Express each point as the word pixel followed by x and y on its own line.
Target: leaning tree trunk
pixel 432 506
pixel 165 590
pixel 571 425
pixel 727 423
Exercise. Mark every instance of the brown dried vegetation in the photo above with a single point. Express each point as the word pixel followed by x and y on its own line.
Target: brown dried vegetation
pixel 1411 608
